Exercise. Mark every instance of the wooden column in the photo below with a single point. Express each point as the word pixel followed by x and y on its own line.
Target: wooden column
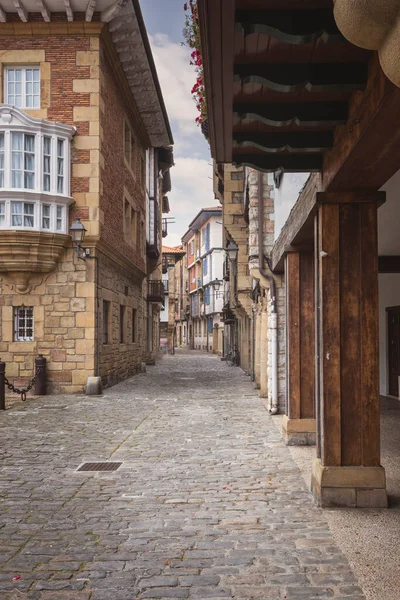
pixel 298 426
pixel 347 471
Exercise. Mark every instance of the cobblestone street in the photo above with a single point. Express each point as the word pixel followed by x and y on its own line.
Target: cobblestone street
pixel 208 502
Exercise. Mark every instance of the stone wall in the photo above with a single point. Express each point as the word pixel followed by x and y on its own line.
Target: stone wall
pixel 268 242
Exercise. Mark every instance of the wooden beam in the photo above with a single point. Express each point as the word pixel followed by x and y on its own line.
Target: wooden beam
pixel 348 197
pixel 21 10
pixel 295 163
pixel 217 20
pixel 366 150
pixel 90 10
pixel 313 77
pixel 290 26
pixel 3 15
pixel 389 264
pixel 45 11
pixel 303 141
pixel 68 10
pixel 304 114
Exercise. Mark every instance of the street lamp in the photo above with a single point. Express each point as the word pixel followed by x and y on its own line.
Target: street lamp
pixel 77 231
pixel 217 286
pixel 232 251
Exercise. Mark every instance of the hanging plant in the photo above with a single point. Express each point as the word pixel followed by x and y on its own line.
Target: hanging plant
pixel 191 34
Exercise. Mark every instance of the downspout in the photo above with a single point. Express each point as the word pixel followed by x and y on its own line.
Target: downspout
pixel 273 320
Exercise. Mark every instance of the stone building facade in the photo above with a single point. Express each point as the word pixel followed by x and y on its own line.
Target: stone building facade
pixel 78 144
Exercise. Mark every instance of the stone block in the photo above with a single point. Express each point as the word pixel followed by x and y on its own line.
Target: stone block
pixel 93 386
pixel 87 142
pixel 87 58
pixel 85 290
pixel 58 355
pixel 372 498
pixel 86 113
pixel 85 86
pixel 78 304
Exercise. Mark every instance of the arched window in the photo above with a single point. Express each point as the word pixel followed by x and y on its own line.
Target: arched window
pixel 34 172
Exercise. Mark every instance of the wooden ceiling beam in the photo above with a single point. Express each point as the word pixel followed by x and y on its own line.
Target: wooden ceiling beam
pixel 303 114
pixel 21 10
pixel 294 163
pixel 302 141
pixel 91 7
pixel 45 11
pixel 313 77
pixel 290 26
pixel 69 11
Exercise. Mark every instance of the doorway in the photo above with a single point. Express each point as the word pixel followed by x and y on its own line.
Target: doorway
pixel 393 313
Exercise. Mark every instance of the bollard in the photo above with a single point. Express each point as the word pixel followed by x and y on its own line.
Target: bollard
pixel 2 386
pixel 40 370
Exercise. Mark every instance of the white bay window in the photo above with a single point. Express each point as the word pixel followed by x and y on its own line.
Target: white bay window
pixel 34 172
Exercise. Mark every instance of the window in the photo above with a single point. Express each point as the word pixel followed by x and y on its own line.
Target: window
pixel 23 324
pixel 34 172
pixel 207 237
pixel 46 163
pixel 1 160
pixel 46 210
pixel 132 223
pixel 191 247
pixel 121 324
pixel 22 214
pixel 106 319
pixel 207 298
pixel 60 166
pixel 134 325
pixel 205 266
pixel 129 147
pixel 22 161
pixel 22 87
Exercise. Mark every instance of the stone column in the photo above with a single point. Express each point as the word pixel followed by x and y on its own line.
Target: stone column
pixel 298 425
pixel 347 471
pixel 257 350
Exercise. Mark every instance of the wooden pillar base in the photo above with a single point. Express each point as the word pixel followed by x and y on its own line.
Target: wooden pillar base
pixel 298 432
pixel 351 487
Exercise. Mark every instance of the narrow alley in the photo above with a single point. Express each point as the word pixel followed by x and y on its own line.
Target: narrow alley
pixel 207 503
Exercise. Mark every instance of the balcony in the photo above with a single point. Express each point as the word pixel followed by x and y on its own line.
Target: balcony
pixel 155 292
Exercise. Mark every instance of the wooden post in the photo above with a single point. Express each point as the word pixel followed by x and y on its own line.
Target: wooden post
pixel 298 426
pixel 348 471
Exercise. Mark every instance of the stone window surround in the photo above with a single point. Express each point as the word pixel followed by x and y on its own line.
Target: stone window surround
pixel 115 301
pixel 30 58
pixel 133 239
pixel 24 94
pixel 21 316
pixel 15 120
pixel 131 145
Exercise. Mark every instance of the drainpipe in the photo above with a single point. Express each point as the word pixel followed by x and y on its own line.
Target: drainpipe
pixel 273 319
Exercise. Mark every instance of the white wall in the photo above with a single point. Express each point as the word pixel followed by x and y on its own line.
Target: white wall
pixel 389 295
pixel 286 196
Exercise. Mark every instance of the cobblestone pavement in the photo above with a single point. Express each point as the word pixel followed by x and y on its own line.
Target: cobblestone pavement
pixel 208 502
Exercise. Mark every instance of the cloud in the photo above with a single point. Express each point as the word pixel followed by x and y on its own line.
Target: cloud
pixel 192 174
pixel 177 78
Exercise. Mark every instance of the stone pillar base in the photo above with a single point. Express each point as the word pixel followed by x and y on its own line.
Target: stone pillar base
pixel 298 432
pixel 351 487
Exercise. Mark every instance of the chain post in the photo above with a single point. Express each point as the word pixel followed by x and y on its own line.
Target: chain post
pixel 2 385
pixel 40 370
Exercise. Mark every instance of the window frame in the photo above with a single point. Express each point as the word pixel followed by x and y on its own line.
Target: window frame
pixel 24 69
pixel 134 325
pixel 122 319
pixel 106 322
pixel 16 321
pixel 130 147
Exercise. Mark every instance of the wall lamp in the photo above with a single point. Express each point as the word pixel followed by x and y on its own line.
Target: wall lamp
pixel 232 251
pixel 77 231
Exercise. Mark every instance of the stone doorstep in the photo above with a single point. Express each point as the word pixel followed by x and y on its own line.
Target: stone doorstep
pixel 351 487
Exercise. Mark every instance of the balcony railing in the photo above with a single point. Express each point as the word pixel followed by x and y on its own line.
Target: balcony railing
pixel 155 293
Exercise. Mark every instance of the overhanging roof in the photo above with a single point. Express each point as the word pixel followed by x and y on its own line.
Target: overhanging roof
pixel 279 76
pixel 128 32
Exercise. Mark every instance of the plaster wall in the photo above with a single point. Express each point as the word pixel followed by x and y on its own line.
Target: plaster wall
pixel 389 295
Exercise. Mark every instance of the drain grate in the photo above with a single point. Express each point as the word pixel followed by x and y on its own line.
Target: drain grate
pixel 100 466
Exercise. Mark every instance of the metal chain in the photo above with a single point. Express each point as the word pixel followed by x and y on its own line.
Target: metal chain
pixel 23 392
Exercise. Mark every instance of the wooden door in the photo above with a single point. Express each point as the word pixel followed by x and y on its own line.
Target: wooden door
pixel 394 349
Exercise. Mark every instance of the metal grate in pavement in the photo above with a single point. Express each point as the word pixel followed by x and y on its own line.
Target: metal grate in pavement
pixel 100 466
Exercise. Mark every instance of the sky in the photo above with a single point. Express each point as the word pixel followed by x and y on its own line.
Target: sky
pixel 192 174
